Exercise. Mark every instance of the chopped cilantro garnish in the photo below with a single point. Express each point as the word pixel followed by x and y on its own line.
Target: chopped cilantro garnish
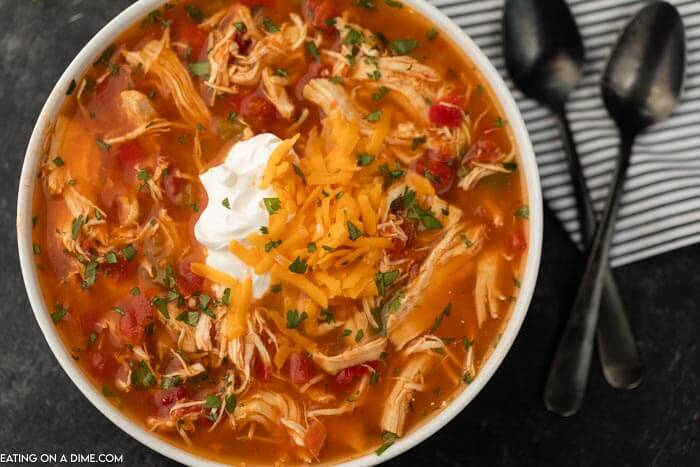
pixel 212 402
pixel 438 321
pixel 226 203
pixel 374 116
pixel 353 37
pixel 432 34
pixel 353 232
pixel 76 227
pixel 523 212
pixel 142 376
pixel 300 174
pixel 102 145
pixel 90 274
pixel 269 25
pixel 195 13
pixel 388 439
pixel 298 266
pixel 311 247
pixel 168 382
pixel 272 204
pixel 294 318
pixel 418 141
pixel 59 313
pixel 189 317
pixel 381 92
pixel 230 403
pixel 271 245
pixel 129 252
pixel 466 240
pixel 510 166
pixel 364 159
pixel 385 279
pixel 394 174
pixel 92 337
pixel 199 68
pixel 58 162
pixel 403 46
pixel 105 56
pixel 71 87
pixel 313 50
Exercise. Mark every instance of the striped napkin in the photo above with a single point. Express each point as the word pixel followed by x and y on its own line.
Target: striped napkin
pixel 661 204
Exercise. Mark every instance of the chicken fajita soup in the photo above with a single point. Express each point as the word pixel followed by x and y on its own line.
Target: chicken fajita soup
pixel 278 231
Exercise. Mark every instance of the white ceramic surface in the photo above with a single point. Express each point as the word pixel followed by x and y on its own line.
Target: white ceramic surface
pixel 30 168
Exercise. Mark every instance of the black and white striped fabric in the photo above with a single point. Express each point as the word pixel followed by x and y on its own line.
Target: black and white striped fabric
pixel 661 205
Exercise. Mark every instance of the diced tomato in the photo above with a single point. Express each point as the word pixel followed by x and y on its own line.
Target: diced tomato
pixel 441 174
pixel 262 371
pixel 129 154
pixel 442 114
pixel 315 437
pixel 299 368
pixel 256 110
pixel 456 97
pixel 318 13
pixel 346 376
pixel 313 71
pixel 398 246
pixel 484 150
pixel 118 270
pixel 164 399
pixel 187 281
pixel 518 242
pixel 137 314
pixel 188 33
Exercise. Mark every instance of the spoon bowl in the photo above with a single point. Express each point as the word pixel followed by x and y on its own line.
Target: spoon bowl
pixel 644 77
pixel 543 49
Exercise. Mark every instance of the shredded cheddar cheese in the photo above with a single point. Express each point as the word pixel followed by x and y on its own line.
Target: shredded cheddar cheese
pixel 322 242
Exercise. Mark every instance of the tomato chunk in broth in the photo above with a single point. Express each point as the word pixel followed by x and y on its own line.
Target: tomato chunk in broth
pixel 396 226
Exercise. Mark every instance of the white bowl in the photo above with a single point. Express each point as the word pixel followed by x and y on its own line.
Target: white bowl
pixel 30 168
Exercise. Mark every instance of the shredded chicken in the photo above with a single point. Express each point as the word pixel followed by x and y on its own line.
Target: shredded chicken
pixel 156 58
pixel 487 298
pixel 410 380
pixel 457 241
pixel 367 352
pixel 136 108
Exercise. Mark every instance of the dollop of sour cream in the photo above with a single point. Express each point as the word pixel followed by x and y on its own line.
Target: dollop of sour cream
pixel 236 208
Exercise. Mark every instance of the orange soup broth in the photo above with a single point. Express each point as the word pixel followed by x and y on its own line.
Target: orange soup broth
pixel 100 178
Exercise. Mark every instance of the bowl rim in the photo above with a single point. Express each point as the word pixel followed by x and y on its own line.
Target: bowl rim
pixel 93 48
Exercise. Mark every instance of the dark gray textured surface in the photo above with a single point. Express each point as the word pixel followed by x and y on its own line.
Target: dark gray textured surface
pixel 657 424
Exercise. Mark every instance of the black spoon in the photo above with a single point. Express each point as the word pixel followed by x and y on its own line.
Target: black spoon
pixel 641 86
pixel 545 56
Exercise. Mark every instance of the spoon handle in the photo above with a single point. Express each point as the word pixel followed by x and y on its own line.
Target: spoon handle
pixel 617 347
pixel 568 375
